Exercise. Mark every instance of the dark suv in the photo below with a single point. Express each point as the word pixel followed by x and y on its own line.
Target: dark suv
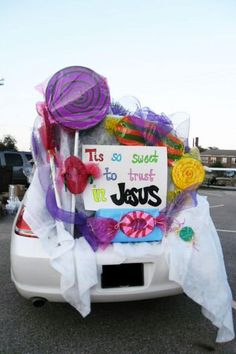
pixel 14 166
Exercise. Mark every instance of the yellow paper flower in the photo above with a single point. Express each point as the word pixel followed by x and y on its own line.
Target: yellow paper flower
pixel 187 172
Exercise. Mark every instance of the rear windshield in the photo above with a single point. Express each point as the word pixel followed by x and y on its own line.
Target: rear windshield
pixel 13 159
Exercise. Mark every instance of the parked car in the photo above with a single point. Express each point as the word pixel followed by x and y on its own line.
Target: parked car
pixel 220 176
pixel 19 162
pixel 136 279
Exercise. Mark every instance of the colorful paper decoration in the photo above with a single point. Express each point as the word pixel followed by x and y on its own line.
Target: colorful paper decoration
pixel 187 172
pixel 77 174
pixel 127 133
pixel 110 123
pixel 137 224
pixel 175 147
pixel 135 131
pixel 186 233
pixel 77 97
pixel 112 225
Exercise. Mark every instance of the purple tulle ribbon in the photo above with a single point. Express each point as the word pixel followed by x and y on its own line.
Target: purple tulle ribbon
pixel 148 130
pixel 117 109
pixel 103 229
pixel 69 217
pixel 152 126
pixel 185 200
pixel 163 123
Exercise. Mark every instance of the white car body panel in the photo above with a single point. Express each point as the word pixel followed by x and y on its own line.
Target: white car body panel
pixel 34 277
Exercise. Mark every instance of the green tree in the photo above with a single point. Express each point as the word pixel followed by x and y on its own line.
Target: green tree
pixel 8 143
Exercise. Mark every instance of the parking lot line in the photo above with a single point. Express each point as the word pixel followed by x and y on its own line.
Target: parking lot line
pixel 210 194
pixel 234 305
pixel 229 231
pixel 216 206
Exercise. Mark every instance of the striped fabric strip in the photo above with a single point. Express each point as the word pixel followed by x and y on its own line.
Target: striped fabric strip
pixel 127 133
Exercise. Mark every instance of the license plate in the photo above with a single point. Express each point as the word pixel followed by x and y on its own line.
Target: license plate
pixel 122 275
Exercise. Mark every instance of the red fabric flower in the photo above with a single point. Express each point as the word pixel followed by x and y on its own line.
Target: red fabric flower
pixel 77 174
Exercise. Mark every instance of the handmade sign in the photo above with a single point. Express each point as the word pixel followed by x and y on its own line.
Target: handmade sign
pixel 131 177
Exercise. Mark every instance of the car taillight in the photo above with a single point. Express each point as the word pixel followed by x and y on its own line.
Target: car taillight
pixel 22 228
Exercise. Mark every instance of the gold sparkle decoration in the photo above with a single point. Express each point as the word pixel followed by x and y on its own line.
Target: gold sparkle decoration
pixel 111 123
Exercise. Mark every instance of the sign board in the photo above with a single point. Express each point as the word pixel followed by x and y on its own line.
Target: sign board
pixel 131 177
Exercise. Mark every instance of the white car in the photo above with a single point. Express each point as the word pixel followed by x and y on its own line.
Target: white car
pixel 35 279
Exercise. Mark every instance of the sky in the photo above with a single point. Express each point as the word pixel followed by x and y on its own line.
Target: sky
pixel 173 56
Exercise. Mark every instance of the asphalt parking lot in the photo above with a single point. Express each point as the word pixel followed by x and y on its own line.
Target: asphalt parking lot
pixel 168 325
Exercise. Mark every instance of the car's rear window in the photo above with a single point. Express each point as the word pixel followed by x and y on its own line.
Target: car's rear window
pixel 13 159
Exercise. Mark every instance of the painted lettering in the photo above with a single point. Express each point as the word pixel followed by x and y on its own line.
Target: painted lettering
pixel 140 176
pixel 135 196
pixel 153 158
pixel 93 155
pixel 116 157
pixel 99 194
pixel 110 176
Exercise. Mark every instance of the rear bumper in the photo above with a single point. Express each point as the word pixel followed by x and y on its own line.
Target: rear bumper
pixel 31 271
pixel 33 275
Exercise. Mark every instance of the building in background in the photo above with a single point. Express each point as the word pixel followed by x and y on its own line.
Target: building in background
pixel 219 158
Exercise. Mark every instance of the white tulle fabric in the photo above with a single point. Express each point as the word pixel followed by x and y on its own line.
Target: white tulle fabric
pixel 197 266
